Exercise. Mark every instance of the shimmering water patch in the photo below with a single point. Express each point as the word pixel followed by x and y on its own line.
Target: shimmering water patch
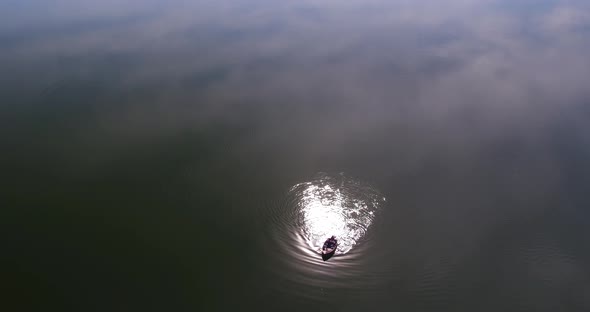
pixel 335 205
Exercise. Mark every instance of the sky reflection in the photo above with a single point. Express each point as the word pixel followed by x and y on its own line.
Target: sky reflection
pixel 165 122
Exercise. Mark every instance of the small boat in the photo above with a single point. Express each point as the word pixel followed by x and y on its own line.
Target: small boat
pixel 329 248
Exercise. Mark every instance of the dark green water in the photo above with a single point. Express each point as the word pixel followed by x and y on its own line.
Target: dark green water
pixel 180 155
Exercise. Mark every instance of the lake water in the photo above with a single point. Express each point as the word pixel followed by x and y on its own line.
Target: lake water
pixel 194 155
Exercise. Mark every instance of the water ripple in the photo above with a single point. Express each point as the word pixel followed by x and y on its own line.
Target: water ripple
pixel 309 213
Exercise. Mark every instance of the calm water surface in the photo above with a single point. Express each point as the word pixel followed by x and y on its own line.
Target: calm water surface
pixel 194 155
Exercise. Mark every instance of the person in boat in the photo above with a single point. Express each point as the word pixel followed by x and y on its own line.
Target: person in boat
pixel 331 242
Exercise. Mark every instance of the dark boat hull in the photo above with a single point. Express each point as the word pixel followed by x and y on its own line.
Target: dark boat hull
pixel 329 248
pixel 327 254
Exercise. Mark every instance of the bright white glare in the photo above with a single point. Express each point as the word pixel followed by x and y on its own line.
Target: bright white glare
pixel 341 210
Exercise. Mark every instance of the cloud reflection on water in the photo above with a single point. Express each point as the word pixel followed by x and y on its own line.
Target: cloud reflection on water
pixel 474 111
pixel 375 62
pixel 435 77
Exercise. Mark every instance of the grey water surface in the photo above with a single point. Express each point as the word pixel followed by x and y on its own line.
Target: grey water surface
pixel 194 155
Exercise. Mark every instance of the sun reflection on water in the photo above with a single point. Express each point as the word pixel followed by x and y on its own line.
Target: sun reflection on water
pixel 335 206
